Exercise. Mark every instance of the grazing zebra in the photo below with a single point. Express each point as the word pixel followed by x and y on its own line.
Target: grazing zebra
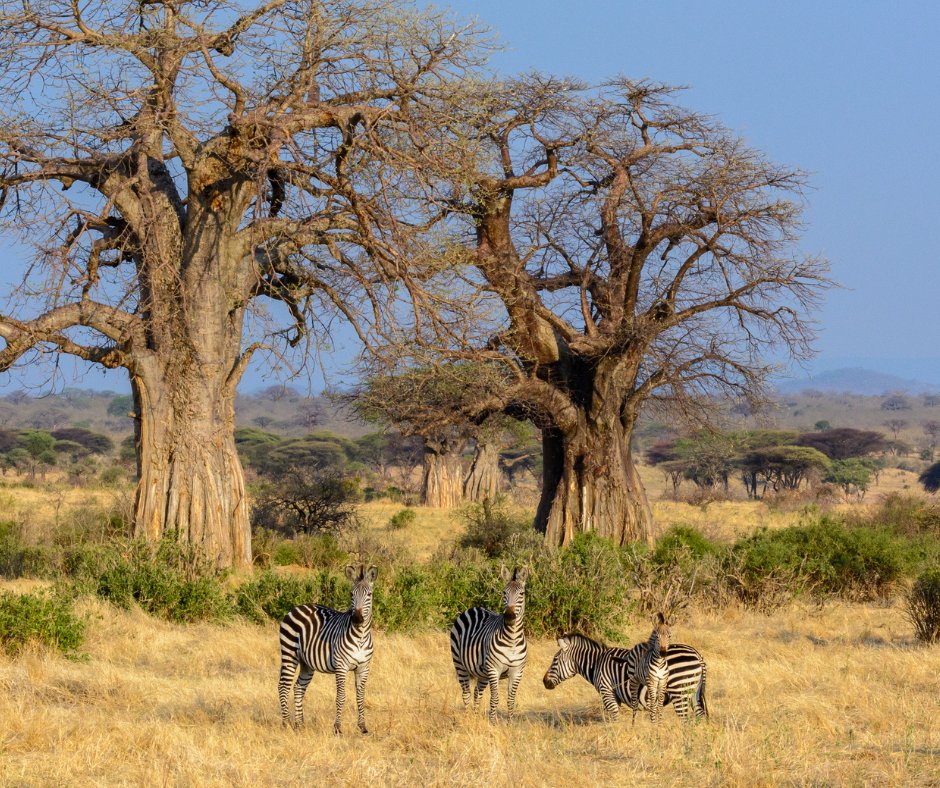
pixel 318 638
pixel 612 671
pixel 486 646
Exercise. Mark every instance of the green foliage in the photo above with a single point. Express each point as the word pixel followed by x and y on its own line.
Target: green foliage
pixel 826 557
pixel 41 618
pixel 681 542
pixel 269 595
pixel 402 519
pixel 852 475
pixel 17 557
pixel 923 606
pixel 121 405
pixel 169 580
pixel 490 526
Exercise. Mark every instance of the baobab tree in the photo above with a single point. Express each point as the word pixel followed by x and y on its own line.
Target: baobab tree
pixel 173 162
pixel 637 251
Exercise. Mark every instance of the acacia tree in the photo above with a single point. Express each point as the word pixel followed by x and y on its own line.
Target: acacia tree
pixel 638 252
pixel 175 161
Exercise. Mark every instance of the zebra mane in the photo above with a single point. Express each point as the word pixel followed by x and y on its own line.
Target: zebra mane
pixel 578 637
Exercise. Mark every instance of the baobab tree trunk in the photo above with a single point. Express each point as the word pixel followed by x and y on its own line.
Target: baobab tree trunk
pixel 441 486
pixel 191 484
pixel 591 484
pixel 482 481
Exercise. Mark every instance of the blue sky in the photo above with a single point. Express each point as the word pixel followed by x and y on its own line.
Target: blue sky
pixel 845 90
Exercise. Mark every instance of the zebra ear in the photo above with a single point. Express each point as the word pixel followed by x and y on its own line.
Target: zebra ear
pixel 522 573
pixel 563 643
pixel 504 573
pixel 351 572
pixel 660 618
pixel 372 574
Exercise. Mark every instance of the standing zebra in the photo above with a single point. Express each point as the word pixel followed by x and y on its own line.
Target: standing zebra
pixel 612 671
pixel 318 638
pixel 651 670
pixel 486 646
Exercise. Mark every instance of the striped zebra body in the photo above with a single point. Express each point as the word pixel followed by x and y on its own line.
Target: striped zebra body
pixel 487 646
pixel 315 638
pixel 651 670
pixel 613 673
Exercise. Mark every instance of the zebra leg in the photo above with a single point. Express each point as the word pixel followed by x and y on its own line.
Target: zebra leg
pixel 340 698
pixel 464 678
pixel 494 695
pixel 477 692
pixel 299 689
pixel 514 677
pixel 611 707
pixel 284 682
pixel 362 675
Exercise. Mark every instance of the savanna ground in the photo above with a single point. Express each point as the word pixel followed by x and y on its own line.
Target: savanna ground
pixel 835 694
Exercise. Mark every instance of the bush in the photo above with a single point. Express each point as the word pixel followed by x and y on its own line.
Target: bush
pixel 923 606
pixel 825 557
pixel 169 580
pixel 19 559
pixel 42 618
pixel 682 542
pixel 402 519
pixel 490 526
pixel 270 595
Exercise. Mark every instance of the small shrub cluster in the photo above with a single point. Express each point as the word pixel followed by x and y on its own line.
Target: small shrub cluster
pixel 490 526
pixel 923 606
pixel 45 618
pixel 169 580
pixel 402 519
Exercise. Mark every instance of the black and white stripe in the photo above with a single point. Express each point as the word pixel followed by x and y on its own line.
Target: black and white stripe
pixel 613 673
pixel 651 670
pixel 316 638
pixel 488 646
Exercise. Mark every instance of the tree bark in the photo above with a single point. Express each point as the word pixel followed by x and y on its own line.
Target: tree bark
pixel 591 484
pixel 441 486
pixel 191 485
pixel 483 479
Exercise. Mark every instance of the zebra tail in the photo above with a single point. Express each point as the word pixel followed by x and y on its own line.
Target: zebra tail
pixel 701 695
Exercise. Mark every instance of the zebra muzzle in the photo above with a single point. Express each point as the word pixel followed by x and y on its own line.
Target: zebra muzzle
pixel 357 616
pixel 549 684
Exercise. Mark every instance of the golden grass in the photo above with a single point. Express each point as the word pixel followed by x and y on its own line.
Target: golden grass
pixel 835 696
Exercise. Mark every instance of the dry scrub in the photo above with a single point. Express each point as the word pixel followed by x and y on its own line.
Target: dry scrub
pixel 838 695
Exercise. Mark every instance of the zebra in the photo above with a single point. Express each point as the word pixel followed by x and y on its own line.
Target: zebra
pixel 318 638
pixel 487 646
pixel 612 671
pixel 651 669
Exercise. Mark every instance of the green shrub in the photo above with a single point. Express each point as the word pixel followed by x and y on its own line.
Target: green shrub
pixel 269 595
pixel 169 580
pixel 683 542
pixel 826 557
pixel 19 559
pixel 402 519
pixel 44 618
pixel 490 526
pixel 923 606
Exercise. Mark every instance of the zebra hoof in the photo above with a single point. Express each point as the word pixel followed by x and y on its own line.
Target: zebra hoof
pixel 337 731
pixel 363 729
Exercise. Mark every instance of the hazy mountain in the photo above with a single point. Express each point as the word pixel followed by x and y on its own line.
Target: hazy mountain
pixel 856 380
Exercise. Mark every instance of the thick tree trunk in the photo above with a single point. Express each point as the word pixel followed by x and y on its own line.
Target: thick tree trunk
pixel 591 484
pixel 191 485
pixel 441 486
pixel 482 481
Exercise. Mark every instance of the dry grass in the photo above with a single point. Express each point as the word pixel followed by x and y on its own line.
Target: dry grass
pixel 831 696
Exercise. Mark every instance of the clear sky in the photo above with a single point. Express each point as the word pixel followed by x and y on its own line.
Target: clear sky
pixel 846 90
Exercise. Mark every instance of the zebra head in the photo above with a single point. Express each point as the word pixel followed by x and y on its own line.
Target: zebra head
pixel 514 592
pixel 563 665
pixel 362 581
pixel 661 635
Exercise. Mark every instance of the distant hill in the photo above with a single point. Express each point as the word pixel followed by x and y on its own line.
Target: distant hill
pixel 856 380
